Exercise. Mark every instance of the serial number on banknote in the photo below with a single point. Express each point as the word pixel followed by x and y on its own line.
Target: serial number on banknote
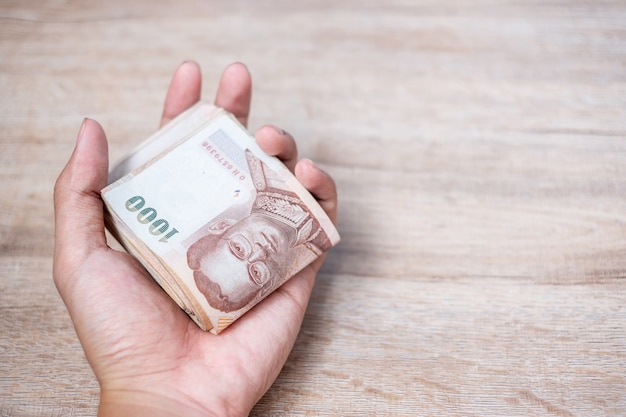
pixel 148 216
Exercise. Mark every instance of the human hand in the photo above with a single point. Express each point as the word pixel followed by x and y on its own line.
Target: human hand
pixel 148 356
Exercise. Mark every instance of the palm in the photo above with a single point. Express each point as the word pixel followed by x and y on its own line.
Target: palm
pixel 146 331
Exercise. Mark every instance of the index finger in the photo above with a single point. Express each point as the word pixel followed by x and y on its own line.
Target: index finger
pixel 183 92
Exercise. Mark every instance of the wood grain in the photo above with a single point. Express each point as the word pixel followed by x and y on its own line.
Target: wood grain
pixel 480 154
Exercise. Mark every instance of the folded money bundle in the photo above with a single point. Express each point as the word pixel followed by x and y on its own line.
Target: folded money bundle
pixel 216 222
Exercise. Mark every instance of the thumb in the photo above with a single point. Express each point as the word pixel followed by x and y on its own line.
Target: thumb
pixel 78 208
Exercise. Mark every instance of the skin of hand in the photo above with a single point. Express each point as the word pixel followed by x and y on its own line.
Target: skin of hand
pixel 148 356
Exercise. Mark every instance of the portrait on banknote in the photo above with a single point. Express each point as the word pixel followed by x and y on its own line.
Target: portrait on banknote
pixel 237 260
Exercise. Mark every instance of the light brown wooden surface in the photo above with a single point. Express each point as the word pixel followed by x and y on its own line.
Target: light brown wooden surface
pixel 479 148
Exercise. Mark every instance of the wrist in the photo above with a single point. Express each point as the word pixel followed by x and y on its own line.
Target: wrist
pixel 139 403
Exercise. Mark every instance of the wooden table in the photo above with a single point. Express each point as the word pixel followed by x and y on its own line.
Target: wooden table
pixel 480 153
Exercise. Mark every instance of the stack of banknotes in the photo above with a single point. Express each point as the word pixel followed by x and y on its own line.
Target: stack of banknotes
pixel 216 222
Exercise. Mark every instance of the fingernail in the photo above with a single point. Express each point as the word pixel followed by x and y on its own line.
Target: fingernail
pixel 312 164
pixel 279 130
pixel 81 131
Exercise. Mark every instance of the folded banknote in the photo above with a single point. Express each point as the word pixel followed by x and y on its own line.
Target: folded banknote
pixel 216 222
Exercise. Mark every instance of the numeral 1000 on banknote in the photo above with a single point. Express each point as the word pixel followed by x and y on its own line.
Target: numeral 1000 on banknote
pixel 147 216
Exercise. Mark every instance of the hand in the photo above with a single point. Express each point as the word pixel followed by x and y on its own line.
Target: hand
pixel 148 356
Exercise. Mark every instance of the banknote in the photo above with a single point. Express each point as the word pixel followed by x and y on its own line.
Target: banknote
pixel 216 222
